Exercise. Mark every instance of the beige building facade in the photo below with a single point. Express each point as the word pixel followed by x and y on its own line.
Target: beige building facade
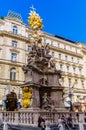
pixel 70 58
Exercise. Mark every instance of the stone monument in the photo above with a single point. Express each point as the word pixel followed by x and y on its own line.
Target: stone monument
pixel 41 89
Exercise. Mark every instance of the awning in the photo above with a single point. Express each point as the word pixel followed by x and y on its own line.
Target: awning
pixel 77 104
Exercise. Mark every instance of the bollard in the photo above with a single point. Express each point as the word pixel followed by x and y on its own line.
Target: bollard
pixel 5 127
pixel 47 123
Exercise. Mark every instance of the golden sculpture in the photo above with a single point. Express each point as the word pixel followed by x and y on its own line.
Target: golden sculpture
pixel 36 25
pixel 26 96
pixel 35 21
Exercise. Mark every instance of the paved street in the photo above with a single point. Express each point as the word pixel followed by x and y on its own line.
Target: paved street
pixel 18 127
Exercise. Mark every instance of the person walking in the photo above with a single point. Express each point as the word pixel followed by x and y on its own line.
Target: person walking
pixel 60 125
pixel 41 122
pixel 70 121
pixel 85 116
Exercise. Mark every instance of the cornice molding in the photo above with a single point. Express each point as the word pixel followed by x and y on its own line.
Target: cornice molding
pixel 18 64
pixel 14 50
pixel 16 36
pixel 66 51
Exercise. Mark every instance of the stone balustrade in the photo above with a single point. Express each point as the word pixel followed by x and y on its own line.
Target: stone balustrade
pixel 31 117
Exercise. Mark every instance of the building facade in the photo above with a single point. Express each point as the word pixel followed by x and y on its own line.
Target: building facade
pixel 69 56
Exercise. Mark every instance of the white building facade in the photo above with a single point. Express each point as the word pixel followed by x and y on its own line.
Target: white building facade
pixel 70 58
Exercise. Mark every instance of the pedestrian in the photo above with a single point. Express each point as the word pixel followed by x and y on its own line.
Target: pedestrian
pixel 70 121
pixel 81 127
pixel 85 117
pixel 47 123
pixel 60 125
pixel 77 115
pixel 64 121
pixel 41 122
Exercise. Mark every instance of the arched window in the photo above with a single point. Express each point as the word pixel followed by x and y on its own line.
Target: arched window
pixel 15 30
pixel 12 74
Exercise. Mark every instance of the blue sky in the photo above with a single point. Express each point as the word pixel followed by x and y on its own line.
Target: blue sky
pixel 66 18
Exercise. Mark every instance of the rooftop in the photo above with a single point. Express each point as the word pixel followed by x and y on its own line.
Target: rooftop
pixel 12 14
pixel 65 39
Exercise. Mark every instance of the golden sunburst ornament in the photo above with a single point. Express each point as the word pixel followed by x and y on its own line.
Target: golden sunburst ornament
pixel 34 20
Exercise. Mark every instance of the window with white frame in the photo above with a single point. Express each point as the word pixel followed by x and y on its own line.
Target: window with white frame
pixel 64 46
pixel 78 61
pixel 67 68
pixel 61 66
pixel 76 82
pixel 51 43
pixel 76 50
pixel 59 56
pixel 52 54
pixel 74 70
pixel 28 36
pixel 15 30
pixel 28 48
pixel 12 74
pixel 14 44
pixel 58 44
pixel 44 40
pixel 13 56
pixel 72 59
pixel 69 82
pixel 80 71
pixel 82 82
pixel 66 57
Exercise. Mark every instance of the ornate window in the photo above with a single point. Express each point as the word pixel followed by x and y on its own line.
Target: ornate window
pixel 76 83
pixel 82 82
pixel 67 68
pixel 72 59
pixel 61 66
pixel 12 74
pixel 65 47
pixel 66 57
pixel 28 48
pixel 78 61
pixel 15 30
pixel 13 56
pixel 74 70
pixel 80 71
pixel 69 82
pixel 59 45
pixel 14 44
pixel 59 56
pixel 52 54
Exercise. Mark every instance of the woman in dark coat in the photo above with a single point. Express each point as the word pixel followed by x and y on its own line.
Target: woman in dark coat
pixel 41 122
